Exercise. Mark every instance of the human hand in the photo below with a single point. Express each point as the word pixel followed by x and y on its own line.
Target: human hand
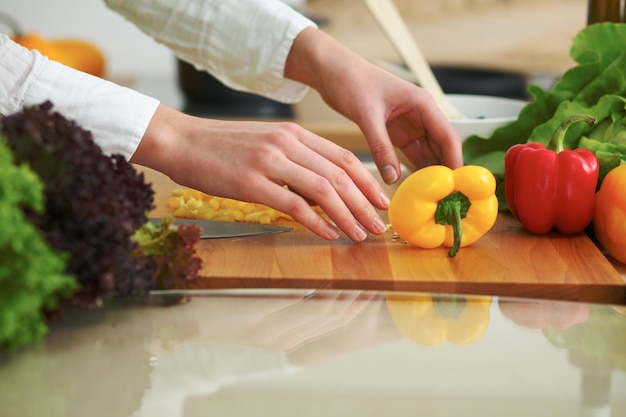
pixel 389 111
pixel 308 327
pixel 252 161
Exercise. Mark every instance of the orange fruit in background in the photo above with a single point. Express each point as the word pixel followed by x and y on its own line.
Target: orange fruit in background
pixel 76 53
pixel 82 55
pixel 34 41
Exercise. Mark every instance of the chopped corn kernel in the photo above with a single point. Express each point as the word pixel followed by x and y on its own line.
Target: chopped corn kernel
pixel 193 204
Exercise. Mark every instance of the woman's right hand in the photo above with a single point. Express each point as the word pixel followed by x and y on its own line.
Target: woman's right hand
pixel 253 161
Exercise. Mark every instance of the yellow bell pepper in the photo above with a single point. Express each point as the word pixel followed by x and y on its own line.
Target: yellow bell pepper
pixel 430 320
pixel 438 206
pixel 609 217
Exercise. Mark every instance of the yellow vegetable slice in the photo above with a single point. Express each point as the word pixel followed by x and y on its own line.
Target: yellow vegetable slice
pixel 194 204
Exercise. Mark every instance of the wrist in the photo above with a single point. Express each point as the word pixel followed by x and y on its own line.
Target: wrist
pixel 155 149
pixel 306 59
pixel 321 62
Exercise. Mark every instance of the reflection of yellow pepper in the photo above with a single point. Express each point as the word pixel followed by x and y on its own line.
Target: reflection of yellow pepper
pixel 430 320
pixel 438 206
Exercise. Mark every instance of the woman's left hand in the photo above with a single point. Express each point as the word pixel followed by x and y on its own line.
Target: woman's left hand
pixel 390 112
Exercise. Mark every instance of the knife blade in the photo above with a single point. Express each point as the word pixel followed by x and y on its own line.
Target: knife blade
pixel 214 229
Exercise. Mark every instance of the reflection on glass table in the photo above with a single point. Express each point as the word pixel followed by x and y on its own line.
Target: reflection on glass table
pixel 323 353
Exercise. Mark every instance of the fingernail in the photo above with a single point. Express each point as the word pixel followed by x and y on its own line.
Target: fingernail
pixel 333 234
pixel 379 225
pixel 361 235
pixel 389 174
pixel 384 200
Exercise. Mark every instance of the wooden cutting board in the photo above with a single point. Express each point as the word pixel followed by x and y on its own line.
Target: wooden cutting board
pixel 507 261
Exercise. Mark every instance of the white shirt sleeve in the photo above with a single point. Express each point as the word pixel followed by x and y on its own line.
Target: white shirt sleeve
pixel 243 43
pixel 116 116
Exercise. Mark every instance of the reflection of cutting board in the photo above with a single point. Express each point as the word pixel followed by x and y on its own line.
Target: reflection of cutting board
pixel 507 261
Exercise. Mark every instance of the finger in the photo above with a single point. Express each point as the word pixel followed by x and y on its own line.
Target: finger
pixel 310 202
pixel 309 186
pixel 354 168
pixel 446 143
pixel 344 205
pixel 420 153
pixel 334 189
pixel 375 131
pixel 449 147
pixel 294 205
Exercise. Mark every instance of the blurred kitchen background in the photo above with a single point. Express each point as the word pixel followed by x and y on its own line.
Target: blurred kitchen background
pixel 531 36
pixel 490 47
pixel 128 51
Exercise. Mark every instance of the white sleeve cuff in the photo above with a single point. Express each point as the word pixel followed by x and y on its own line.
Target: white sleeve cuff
pixel 116 116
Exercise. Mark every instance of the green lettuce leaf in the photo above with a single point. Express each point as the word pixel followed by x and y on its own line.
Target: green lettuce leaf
pixel 595 86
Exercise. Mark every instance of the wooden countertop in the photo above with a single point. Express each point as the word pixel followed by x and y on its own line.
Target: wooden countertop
pixel 507 262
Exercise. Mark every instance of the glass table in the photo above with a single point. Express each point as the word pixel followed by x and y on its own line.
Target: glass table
pixel 323 353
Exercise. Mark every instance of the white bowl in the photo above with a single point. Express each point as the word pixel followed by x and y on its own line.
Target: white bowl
pixel 483 114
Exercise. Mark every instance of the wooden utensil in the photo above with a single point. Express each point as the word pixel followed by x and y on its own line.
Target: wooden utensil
pixel 388 17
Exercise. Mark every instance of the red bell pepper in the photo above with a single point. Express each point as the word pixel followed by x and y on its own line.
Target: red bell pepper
pixel 551 187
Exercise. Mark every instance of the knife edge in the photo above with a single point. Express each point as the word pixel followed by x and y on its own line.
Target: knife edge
pixel 215 229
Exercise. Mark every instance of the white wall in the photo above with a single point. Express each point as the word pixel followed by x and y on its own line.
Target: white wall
pixel 129 51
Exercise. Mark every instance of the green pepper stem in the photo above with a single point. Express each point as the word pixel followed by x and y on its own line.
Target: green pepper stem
pixel 451 210
pixel 457 228
pixel 449 307
pixel 558 137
